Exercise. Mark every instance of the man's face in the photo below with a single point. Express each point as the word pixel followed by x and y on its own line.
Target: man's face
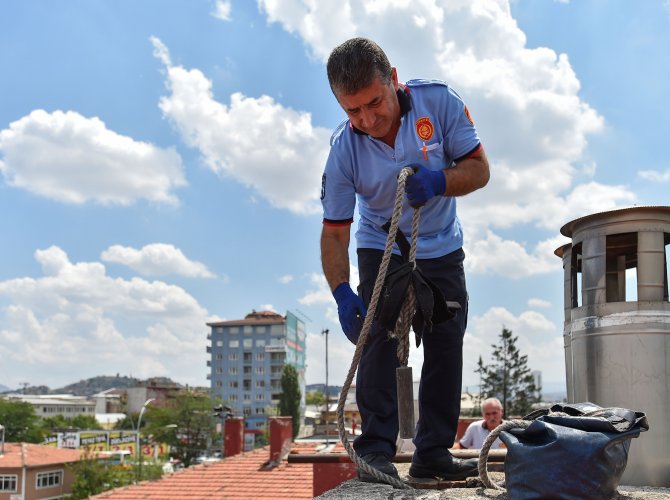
pixel 492 415
pixel 374 109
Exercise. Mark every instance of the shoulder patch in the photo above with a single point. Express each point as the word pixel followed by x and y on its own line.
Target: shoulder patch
pixel 467 114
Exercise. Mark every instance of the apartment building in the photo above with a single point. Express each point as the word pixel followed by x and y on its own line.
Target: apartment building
pixel 247 360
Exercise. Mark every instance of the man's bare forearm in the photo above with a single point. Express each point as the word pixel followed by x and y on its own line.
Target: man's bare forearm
pixel 335 255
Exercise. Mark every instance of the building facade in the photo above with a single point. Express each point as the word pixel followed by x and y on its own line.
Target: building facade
pixel 64 405
pixel 247 358
pixel 36 472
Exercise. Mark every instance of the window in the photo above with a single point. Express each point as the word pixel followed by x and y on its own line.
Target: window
pixel 260 342
pixel 49 479
pixel 8 482
pixel 260 370
pixel 219 383
pixel 232 370
pixel 247 396
pixel 248 343
pixel 233 397
pixel 260 384
pixel 277 330
pixel 260 329
pixel 248 330
pixel 234 329
pixel 219 370
pixel 232 356
pixel 260 397
pixel 260 411
pixel 219 343
pixel 233 343
pixel 247 370
pixel 219 356
pixel 233 384
pixel 260 356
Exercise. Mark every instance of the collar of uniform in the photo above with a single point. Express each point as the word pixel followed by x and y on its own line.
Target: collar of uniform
pixel 403 100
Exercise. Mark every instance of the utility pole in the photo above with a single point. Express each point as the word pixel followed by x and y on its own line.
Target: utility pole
pixel 325 332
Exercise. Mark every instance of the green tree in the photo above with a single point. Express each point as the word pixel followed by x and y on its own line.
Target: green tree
pixel 186 423
pixel 93 476
pixel 127 423
pixel 315 398
pixel 20 422
pixel 289 399
pixel 507 377
pixel 86 422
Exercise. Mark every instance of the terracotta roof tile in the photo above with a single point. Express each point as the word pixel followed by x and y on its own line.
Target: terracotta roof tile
pixel 234 478
pixel 36 455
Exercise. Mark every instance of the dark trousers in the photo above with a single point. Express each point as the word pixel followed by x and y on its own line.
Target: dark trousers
pixel 440 387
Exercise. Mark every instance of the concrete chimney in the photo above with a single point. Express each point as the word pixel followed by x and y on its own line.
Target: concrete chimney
pixel 233 436
pixel 281 436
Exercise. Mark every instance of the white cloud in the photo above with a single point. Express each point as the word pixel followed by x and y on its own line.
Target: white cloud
pixel 525 102
pixel 494 255
pixel 260 143
pixel 156 259
pixel 286 279
pixel 222 10
pixel 539 338
pixel 67 157
pixel 267 307
pixel 538 303
pixel 76 314
pixel 655 175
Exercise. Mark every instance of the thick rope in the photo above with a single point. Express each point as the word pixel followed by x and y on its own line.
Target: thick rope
pixel 367 323
pixel 484 452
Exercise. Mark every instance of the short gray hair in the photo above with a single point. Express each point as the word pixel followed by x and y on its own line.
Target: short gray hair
pixel 355 64
pixel 495 401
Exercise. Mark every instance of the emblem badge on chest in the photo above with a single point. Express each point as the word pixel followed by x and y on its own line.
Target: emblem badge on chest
pixel 424 128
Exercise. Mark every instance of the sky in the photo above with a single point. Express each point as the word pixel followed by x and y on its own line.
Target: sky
pixel 160 166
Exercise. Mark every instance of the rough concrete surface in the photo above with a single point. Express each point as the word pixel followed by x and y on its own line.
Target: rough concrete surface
pixel 356 490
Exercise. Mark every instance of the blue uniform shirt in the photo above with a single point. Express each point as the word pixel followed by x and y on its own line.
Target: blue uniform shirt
pixel 435 130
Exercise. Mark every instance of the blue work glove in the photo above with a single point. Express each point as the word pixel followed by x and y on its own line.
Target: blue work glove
pixel 423 185
pixel 351 310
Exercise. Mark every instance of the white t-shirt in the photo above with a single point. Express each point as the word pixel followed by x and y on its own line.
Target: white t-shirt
pixel 476 434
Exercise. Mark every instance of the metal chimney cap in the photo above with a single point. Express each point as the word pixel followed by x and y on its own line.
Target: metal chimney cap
pixel 569 228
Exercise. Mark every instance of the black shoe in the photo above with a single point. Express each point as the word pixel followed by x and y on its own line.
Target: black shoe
pixel 380 462
pixel 447 468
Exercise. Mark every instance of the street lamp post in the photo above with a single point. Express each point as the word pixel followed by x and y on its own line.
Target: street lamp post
pixel 138 455
pixel 325 332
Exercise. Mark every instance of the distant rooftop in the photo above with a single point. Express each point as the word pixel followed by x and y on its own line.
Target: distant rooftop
pixel 254 318
pixel 36 455
pixel 235 478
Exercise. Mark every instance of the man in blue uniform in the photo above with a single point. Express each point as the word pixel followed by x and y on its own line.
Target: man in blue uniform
pixel 423 124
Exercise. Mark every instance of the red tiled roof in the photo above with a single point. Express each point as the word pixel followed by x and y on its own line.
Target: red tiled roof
pixel 234 478
pixel 36 455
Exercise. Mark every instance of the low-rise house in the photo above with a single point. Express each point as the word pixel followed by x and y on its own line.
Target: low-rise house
pixel 35 472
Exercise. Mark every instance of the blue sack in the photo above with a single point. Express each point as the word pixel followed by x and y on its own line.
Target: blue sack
pixel 570 452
